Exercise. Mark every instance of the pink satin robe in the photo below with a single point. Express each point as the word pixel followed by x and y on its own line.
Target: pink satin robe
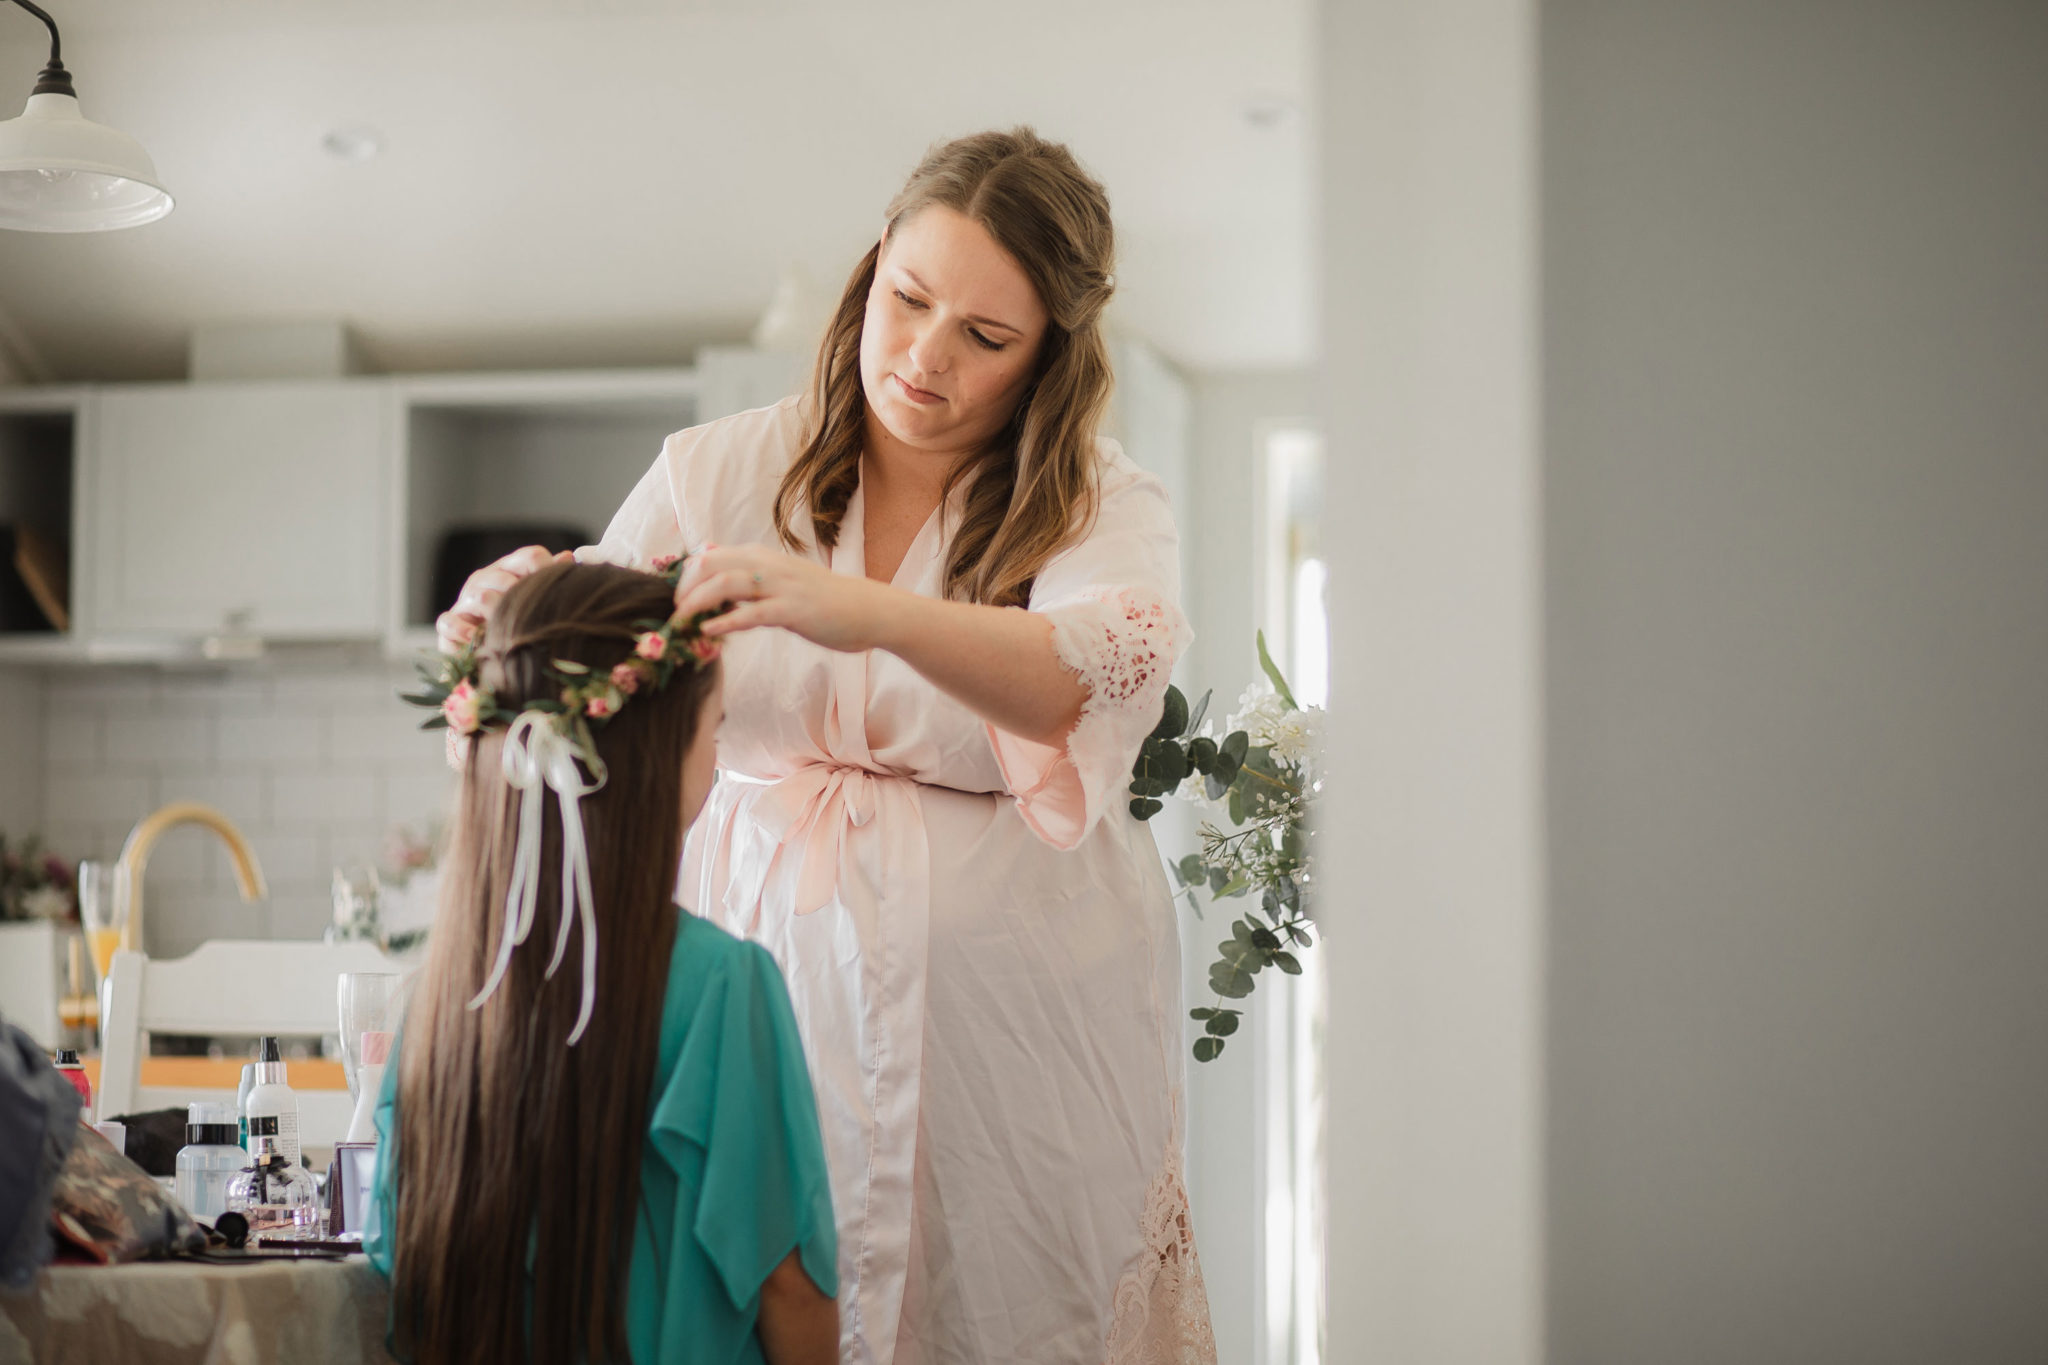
pixel 978 937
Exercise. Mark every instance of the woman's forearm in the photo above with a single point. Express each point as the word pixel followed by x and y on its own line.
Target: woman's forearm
pixel 998 662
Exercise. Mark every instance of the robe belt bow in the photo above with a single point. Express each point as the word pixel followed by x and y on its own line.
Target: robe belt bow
pixel 808 814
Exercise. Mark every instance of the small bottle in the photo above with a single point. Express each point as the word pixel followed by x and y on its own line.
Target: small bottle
pixel 242 1105
pixel 68 1063
pixel 209 1160
pixel 274 1193
pixel 273 1105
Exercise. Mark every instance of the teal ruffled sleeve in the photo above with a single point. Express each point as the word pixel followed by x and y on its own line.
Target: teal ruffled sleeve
pixel 378 1220
pixel 737 1120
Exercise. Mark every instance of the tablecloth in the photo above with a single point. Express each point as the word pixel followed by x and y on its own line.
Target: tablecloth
pixel 198 1313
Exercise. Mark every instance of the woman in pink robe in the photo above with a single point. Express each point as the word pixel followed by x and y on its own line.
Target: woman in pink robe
pixel 922 811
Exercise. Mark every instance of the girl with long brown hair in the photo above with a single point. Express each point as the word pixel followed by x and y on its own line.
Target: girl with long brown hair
pixel 599 1155
pixel 954 612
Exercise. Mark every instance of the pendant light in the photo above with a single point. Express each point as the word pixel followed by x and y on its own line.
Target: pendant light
pixel 61 172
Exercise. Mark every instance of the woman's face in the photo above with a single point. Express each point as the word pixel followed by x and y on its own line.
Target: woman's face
pixel 701 762
pixel 951 335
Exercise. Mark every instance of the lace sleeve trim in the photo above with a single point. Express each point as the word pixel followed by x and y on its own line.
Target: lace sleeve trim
pixel 1121 643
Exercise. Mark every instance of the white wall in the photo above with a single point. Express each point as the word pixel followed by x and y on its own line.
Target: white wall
pixel 1231 410
pixel 1432 828
pixel 1777 918
pixel 1227 410
pixel 1796 386
pixel 311 757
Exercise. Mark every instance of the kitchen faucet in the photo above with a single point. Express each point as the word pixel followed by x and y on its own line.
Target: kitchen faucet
pixel 141 839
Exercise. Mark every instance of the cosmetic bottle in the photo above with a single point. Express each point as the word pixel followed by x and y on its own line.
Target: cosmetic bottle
pixel 273 1105
pixel 209 1160
pixel 242 1105
pixel 277 1197
pixel 68 1065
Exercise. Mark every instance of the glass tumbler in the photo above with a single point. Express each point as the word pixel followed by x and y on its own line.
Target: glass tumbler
pixel 102 910
pixel 369 1004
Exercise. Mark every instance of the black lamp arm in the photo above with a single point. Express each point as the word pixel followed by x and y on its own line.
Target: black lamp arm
pixel 54 80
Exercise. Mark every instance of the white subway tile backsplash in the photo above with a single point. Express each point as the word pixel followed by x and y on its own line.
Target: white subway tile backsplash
pixel 75 841
pixel 178 919
pixel 71 743
pixel 388 736
pixel 97 799
pixel 315 762
pixel 239 692
pixel 358 687
pixel 100 692
pixel 420 800
pixel 323 798
pixel 154 739
pixel 355 846
pixel 242 797
pixel 289 859
pixel 181 857
pixel 274 742
pixel 306 915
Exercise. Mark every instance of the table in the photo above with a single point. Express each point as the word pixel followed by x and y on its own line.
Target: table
pixel 198 1313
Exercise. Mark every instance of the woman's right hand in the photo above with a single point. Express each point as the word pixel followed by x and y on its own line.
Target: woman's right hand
pixel 458 625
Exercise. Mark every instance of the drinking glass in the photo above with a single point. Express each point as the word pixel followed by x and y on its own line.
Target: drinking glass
pixel 369 1004
pixel 103 910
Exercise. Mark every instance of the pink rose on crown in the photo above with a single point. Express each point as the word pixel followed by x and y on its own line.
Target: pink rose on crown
pixel 464 708
pixel 703 649
pixel 651 646
pixel 663 563
pixel 626 677
pixel 604 704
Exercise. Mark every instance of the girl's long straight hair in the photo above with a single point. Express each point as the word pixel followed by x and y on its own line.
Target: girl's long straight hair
pixel 1033 486
pixel 518 1156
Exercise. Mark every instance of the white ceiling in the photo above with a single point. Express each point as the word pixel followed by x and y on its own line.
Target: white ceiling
pixel 616 181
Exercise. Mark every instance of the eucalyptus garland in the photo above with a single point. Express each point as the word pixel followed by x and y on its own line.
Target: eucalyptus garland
pixel 1260 777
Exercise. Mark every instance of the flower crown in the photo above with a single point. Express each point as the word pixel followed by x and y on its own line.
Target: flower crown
pixel 549 747
pixel 452 685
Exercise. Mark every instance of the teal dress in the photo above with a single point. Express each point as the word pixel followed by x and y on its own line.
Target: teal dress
pixel 732 1178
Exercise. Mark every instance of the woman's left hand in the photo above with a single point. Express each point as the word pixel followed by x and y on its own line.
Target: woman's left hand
pixel 767 587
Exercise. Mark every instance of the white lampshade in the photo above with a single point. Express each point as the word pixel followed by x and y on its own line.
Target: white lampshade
pixel 61 172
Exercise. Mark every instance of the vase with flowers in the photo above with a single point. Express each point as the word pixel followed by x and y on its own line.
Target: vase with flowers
pixel 35 884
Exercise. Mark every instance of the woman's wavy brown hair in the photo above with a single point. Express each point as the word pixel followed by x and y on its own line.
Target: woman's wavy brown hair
pixel 1033 486
pixel 518 1157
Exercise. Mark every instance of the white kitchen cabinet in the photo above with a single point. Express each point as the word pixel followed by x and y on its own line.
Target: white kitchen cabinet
pixel 238 509
pixel 497 452
pixel 39 433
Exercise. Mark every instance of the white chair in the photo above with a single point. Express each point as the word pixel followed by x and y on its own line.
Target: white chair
pixel 227 986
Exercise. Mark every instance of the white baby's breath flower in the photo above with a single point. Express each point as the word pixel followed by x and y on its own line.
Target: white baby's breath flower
pixel 1297 736
pixel 1293 735
pixel 1258 707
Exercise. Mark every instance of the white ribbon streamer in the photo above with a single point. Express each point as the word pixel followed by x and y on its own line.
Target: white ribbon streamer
pixel 537 754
